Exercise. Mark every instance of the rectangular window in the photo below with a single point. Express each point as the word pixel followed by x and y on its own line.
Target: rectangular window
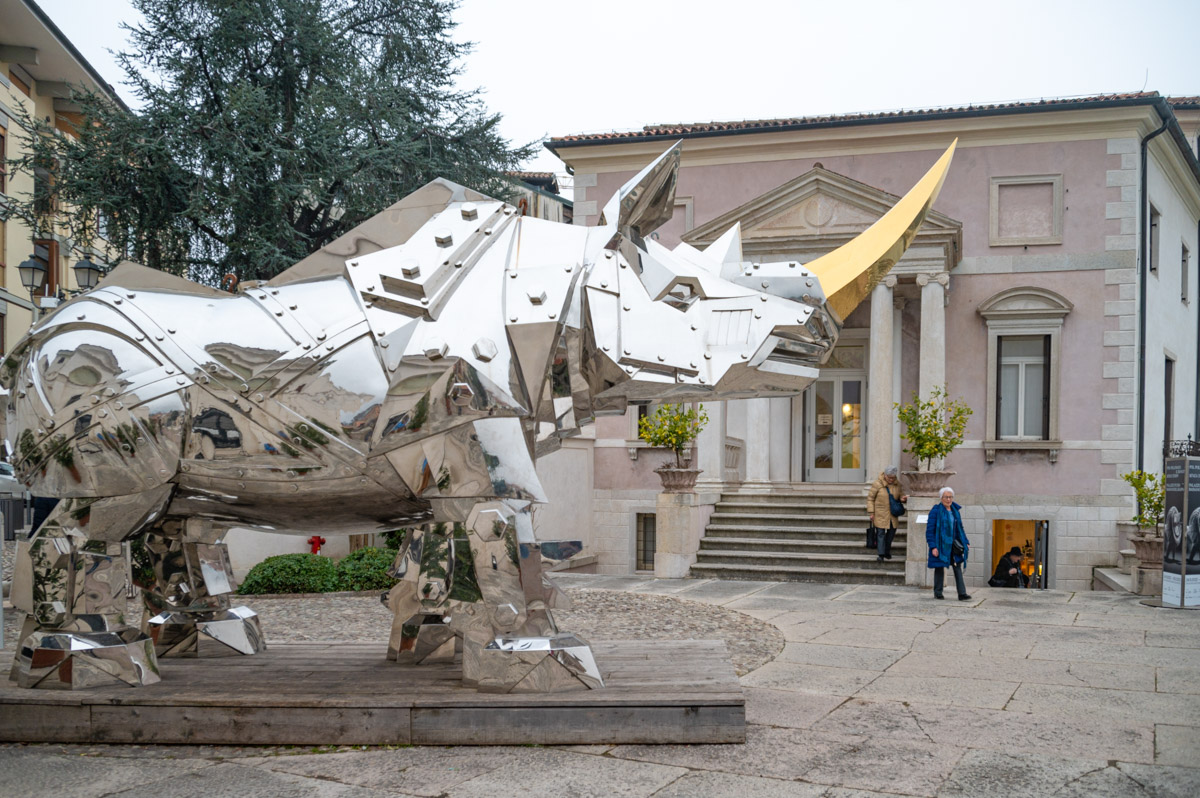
pixel 3 172
pixel 1023 387
pixel 1183 275
pixel 1168 400
pixel 46 251
pixel 646 543
pixel 1155 224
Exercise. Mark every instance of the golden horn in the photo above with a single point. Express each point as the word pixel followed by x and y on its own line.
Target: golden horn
pixel 846 281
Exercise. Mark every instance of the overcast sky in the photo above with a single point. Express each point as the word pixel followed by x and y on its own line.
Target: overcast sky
pixel 556 67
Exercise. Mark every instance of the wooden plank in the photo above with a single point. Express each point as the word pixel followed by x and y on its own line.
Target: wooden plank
pixel 250 725
pixel 34 723
pixel 579 726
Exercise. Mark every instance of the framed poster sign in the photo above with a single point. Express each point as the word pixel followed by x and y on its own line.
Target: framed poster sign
pixel 1181 533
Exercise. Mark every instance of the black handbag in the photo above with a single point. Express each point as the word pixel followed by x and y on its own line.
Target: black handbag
pixel 872 537
pixel 895 505
pixel 956 549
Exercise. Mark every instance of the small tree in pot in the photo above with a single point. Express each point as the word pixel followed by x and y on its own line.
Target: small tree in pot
pixel 1151 494
pixel 675 427
pixel 933 428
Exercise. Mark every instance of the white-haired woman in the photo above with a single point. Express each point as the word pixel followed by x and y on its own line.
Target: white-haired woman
pixel 879 507
pixel 948 544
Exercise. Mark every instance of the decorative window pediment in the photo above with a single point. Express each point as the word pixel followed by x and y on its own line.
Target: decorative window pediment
pixel 1026 302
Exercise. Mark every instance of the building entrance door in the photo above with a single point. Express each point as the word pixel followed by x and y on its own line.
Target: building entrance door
pixel 834 425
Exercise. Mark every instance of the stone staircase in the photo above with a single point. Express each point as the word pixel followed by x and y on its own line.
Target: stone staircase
pixel 816 533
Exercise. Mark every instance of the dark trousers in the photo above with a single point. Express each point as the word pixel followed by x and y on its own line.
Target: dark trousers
pixel 939 580
pixel 885 541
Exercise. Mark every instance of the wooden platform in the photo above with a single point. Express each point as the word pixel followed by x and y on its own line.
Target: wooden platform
pixel 348 694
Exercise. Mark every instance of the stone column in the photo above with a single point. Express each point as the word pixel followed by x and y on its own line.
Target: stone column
pixel 879 379
pixel 933 331
pixel 758 446
pixel 710 450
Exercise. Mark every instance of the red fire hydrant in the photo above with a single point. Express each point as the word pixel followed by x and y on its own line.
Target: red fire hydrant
pixel 316 542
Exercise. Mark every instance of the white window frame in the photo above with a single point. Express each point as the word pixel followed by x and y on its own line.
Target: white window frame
pixel 1021 362
pixel 1056 223
pixel 1022 311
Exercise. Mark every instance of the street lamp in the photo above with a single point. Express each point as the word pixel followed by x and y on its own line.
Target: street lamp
pixel 87 273
pixel 33 276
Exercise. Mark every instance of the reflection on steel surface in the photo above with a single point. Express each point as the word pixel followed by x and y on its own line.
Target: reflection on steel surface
pixel 407 375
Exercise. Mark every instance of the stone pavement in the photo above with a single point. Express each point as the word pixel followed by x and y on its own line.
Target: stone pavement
pixel 877 691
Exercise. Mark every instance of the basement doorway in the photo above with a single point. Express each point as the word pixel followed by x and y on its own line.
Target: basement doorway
pixel 1033 538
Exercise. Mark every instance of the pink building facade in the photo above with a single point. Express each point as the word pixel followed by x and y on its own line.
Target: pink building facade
pixel 1054 289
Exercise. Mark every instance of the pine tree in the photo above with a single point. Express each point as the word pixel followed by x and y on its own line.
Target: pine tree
pixel 265 129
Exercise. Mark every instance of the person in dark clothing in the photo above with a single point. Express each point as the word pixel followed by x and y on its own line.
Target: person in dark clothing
pixel 1008 570
pixel 948 544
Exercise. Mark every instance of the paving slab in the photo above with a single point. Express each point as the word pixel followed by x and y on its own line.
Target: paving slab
pixel 38 771
pixel 1177 745
pixel 1189 638
pixel 893 636
pixel 706 784
pixel 985 693
pixel 1120 782
pixel 787 708
pixel 668 586
pixel 1168 782
pixel 767 752
pixel 718 591
pixel 1089 674
pixel 858 657
pixel 987 774
pixel 997 730
pixel 802 678
pixel 230 779
pixel 425 771
pixel 549 772
pixel 788 596
pixel 1096 651
pixel 871 763
pixel 1105 704
pixel 1178 680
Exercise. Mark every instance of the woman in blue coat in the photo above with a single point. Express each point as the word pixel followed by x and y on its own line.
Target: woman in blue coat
pixel 943 529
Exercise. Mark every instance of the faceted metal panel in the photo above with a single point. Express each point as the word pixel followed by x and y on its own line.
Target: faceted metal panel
pixel 407 376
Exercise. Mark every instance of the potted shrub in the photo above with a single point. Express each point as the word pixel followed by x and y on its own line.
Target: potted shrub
pixel 1151 495
pixel 675 427
pixel 933 428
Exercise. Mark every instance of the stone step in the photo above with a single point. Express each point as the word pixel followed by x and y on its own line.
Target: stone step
pixel 800 546
pixel 800 573
pixel 867 560
pixel 779 519
pixel 791 532
pixel 797 508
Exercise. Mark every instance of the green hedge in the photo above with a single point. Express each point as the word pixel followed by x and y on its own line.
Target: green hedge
pixel 365 569
pixel 292 573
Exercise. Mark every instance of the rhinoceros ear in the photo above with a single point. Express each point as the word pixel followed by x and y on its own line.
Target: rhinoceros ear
pixel 726 251
pixel 648 200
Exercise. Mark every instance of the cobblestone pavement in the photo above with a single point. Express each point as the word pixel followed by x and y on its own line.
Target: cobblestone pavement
pixel 876 691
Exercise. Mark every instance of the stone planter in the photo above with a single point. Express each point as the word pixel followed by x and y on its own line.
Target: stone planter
pixel 1149 549
pixel 678 480
pixel 926 483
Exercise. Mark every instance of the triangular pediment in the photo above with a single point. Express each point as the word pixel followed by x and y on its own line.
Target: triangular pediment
pixel 815 213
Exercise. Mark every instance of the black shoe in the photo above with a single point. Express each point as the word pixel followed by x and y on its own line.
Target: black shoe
pixel 879 558
pixel 964 598
pixel 939 598
pixel 887 556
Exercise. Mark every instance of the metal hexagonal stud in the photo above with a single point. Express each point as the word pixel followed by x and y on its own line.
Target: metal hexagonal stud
pixel 484 349
pixel 435 348
pixel 469 211
pixel 536 295
pixel 411 269
pixel 461 394
pixel 443 237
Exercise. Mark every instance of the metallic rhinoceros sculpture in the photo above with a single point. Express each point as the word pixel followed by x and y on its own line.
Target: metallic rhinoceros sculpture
pixel 406 376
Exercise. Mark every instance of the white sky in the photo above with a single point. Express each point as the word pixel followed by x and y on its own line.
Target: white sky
pixel 557 67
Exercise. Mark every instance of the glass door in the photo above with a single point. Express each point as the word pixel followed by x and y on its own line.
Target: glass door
pixel 835 425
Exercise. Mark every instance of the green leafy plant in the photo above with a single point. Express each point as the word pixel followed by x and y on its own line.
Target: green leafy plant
pixel 292 573
pixel 1151 495
pixel 933 427
pixel 673 427
pixel 366 569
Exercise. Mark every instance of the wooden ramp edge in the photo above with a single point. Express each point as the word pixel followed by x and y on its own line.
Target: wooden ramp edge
pixel 661 691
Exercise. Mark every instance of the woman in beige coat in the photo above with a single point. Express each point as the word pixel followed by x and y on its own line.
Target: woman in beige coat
pixel 880 509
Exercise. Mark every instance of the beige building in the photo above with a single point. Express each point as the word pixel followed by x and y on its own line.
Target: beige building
pixel 1054 288
pixel 38 67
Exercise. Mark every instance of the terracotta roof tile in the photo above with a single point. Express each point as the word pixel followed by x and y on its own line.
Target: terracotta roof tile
pixel 765 125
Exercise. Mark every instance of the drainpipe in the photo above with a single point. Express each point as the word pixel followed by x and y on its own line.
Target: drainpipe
pixel 1144 229
pixel 1194 291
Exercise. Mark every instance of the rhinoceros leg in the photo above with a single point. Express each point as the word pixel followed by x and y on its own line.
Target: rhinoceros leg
pixel 188 610
pixel 72 589
pixel 478 574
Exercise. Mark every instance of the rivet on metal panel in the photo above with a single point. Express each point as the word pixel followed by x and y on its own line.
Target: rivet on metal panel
pixel 484 349
pixel 292 307
pixel 291 473
pixel 762 297
pixel 306 346
pixel 244 388
pixel 458 264
pixel 512 319
pixel 707 356
pixel 808 283
pixel 758 315
pixel 512 274
pixel 424 301
pixel 701 380
pixel 552 314
pixel 661 358
pixel 158 338
pixel 625 307
pixel 604 283
pixel 81 317
pixel 536 295
pixel 119 406
pixel 169 370
pixel 370 288
pixel 321 336
pixel 411 269
pixel 181 380
pixel 141 441
pixel 383 344
pixel 608 254
pixel 279 313
pixel 469 211
pixel 487 231
pixel 184 467
pixel 258 397
pixel 765 284
pixel 130 295
pixel 626 351
pixel 807 299
pixel 117 301
pixel 443 237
